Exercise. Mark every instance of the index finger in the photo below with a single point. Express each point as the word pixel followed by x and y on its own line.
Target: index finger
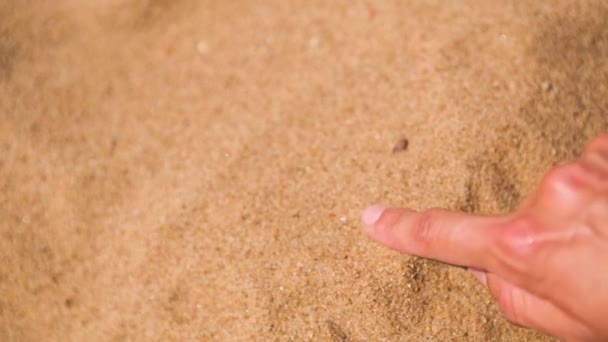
pixel 451 237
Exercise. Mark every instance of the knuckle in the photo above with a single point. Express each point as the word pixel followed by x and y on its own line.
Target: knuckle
pixel 598 144
pixel 519 238
pixel 595 164
pixel 424 228
pixel 563 177
pixel 526 252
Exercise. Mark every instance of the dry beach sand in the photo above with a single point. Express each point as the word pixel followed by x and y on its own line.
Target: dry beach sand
pixel 195 170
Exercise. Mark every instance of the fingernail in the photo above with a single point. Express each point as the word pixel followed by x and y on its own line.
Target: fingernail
pixel 480 276
pixel 371 215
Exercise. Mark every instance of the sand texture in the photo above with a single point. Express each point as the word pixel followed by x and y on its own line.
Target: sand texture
pixel 195 170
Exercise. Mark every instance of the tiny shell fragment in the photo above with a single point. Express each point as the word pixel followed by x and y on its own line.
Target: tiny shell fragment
pixel 401 145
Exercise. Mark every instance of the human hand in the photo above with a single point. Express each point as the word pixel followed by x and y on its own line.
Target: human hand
pixel 546 264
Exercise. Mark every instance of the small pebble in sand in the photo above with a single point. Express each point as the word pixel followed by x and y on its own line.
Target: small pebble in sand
pixel 547 86
pixel 343 219
pixel 314 42
pixel 401 145
pixel 202 47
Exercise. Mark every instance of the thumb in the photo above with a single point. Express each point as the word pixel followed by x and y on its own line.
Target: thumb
pixel 525 309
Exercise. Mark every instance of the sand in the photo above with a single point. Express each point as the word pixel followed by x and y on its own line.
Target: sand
pixel 195 170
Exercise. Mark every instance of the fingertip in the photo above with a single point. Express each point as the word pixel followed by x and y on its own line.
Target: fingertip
pixel 371 215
